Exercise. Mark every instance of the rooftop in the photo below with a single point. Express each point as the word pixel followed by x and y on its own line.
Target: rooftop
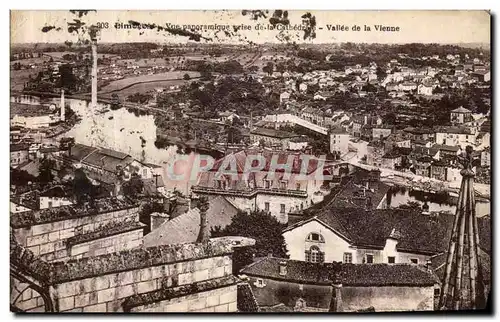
pixel 461 109
pixel 338 273
pixel 272 133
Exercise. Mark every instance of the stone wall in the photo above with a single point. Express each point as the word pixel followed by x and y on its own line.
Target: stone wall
pixel 48 240
pixel 106 293
pixel 111 244
pixel 219 300
pixel 388 298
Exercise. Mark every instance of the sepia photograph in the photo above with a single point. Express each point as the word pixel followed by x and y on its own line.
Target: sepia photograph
pixel 250 161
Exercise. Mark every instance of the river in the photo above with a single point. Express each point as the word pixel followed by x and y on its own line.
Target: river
pixel 437 202
pixel 123 131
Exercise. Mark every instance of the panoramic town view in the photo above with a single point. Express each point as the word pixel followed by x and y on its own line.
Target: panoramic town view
pixel 304 172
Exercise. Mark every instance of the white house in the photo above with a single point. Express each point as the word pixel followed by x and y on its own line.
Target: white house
pixel 339 141
pixel 359 236
pixel 424 90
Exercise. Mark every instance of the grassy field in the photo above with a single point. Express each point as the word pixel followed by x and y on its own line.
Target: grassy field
pixel 19 77
pixel 142 88
pixel 160 77
pixel 58 55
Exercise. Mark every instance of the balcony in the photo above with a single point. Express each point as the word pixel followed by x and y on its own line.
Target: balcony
pixel 249 193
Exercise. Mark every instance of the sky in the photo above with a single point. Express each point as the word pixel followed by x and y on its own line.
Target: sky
pixel 450 26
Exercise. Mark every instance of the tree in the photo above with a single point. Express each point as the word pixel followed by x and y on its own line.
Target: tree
pixel 134 186
pixel 186 77
pixel 82 187
pixel 45 171
pixel 259 225
pixel 269 68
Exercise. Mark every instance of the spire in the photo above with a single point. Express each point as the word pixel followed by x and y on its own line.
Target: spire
pixel 463 286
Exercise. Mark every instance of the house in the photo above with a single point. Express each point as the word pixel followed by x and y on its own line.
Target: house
pixel 19 154
pixel 447 150
pixel 456 136
pixel 408 86
pixel 460 115
pixel 438 170
pixel 422 165
pixel 105 164
pixel 186 227
pixel 419 133
pixel 392 160
pixel 337 287
pixel 397 140
pixel 380 132
pixel 482 75
pixel 271 137
pixel 486 157
pixel 339 141
pixel 54 197
pixel 375 151
pixel 303 87
pixel 423 89
pixel 364 190
pixel 284 97
pixel 275 182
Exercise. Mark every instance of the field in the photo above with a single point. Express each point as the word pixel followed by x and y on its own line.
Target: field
pixel 58 55
pixel 19 77
pixel 153 80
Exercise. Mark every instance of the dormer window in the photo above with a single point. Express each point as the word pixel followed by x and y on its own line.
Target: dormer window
pixel 267 184
pixel 315 237
pixel 283 185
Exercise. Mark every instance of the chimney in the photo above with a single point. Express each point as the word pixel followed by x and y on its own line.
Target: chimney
pixel 94 73
pixel 157 219
pixel 63 108
pixel 283 270
pixel 428 265
pixel 203 234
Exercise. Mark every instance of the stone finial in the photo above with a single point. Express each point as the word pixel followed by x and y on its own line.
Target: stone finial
pixel 467 162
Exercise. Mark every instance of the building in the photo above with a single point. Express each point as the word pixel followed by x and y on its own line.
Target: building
pixel 185 228
pixel 105 164
pixel 336 287
pixel 486 157
pixel 359 236
pixel 55 197
pixel 339 141
pixel 455 136
pixel 93 261
pixel 271 137
pixel 19 154
pixel 277 183
pixel 460 115
pixel 31 114
pixel 423 89
pixel 380 132
pixel 375 152
pixel 482 75
pixel 422 165
pixel 284 97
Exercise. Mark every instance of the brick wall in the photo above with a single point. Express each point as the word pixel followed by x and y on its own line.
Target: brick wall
pixel 48 240
pixel 218 300
pixel 106 293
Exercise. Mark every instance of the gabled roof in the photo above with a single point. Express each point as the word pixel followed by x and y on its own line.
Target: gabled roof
pixel 461 109
pixel 185 228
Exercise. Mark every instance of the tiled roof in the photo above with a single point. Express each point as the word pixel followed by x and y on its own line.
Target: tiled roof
pixel 246 300
pixel 461 109
pixel 338 273
pixel 185 228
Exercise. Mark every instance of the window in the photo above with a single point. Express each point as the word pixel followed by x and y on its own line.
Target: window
pixel 391 259
pixel 282 210
pixel 437 292
pixel 297 186
pixel 266 206
pixel 50 204
pixel 315 237
pixel 314 255
pixel 267 184
pixel 369 258
pixel 348 258
pixel 144 173
pixel 414 260
pixel 282 184
pixel 259 283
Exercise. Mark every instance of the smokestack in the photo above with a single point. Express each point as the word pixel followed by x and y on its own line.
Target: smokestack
pixel 94 74
pixel 283 269
pixel 203 206
pixel 63 109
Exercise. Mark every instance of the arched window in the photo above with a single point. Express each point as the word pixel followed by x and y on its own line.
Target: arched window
pixel 314 255
pixel 315 237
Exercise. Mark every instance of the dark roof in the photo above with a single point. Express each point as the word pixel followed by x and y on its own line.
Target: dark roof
pixel 340 273
pixel 57 192
pixel 450 148
pixel 19 147
pixel 246 301
pixel 272 133
pixel 22 109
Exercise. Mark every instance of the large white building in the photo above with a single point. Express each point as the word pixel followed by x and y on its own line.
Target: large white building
pixel 339 141
pixel 29 113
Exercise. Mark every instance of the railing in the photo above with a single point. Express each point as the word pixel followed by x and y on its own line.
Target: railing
pixel 249 193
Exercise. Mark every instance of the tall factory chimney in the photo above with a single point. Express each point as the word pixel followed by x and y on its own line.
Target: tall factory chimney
pixel 94 74
pixel 63 109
